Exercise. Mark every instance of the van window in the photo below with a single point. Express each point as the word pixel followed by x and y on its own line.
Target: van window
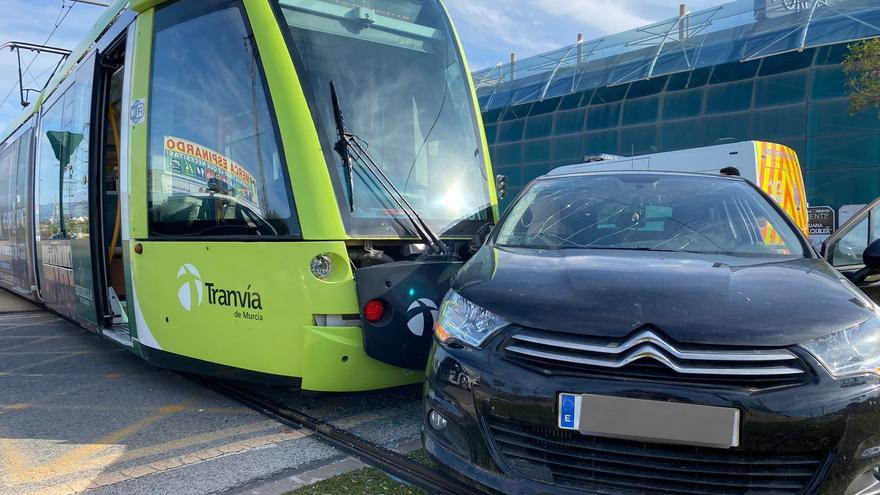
pixel 215 165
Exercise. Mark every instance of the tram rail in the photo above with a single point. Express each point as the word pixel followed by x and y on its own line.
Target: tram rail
pixel 393 463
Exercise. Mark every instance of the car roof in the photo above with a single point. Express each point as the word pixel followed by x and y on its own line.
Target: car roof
pixel 659 173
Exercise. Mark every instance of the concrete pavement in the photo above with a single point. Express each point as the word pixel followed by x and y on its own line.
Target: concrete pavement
pixel 78 413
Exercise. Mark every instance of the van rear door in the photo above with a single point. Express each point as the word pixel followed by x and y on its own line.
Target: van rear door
pixel 779 175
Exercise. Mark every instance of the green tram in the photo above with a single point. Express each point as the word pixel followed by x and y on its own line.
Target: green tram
pixel 277 190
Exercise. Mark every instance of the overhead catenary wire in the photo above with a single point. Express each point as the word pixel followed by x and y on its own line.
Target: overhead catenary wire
pixel 18 46
pixel 92 2
pixel 62 15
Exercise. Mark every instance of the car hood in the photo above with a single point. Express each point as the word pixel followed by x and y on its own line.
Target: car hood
pixel 694 298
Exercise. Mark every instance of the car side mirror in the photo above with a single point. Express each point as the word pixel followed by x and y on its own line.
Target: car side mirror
pixel 871 256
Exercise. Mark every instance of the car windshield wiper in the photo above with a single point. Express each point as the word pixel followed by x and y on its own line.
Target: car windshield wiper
pixel 350 147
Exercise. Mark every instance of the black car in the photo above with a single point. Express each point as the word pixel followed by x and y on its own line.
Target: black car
pixel 645 333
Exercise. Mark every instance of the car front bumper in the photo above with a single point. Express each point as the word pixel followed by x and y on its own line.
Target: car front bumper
pixel 819 437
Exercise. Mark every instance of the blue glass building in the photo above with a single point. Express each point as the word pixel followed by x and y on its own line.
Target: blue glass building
pixel 750 69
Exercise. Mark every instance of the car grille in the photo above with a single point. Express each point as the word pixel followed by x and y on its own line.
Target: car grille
pixel 604 465
pixel 647 355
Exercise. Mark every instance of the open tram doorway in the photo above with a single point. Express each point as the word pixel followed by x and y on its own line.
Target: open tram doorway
pixel 107 246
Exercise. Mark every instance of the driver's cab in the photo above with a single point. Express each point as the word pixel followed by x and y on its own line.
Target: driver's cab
pixel 854 249
pixel 207 214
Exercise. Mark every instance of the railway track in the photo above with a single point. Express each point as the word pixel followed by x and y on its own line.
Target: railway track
pixel 397 465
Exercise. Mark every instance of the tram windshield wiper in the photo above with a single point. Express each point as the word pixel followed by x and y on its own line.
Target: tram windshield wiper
pixel 342 146
pixel 350 147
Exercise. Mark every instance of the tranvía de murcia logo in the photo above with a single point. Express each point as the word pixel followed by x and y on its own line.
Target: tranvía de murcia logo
pixel 192 291
pixel 421 316
pixel 191 281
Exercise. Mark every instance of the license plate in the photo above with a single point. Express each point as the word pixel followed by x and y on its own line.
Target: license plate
pixel 649 420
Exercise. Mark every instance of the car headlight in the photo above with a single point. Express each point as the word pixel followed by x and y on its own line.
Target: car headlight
pixel 466 322
pixel 855 350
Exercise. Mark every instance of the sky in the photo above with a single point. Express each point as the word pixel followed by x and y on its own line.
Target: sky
pixel 490 31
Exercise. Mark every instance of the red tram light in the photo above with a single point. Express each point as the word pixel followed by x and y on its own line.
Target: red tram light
pixel 374 310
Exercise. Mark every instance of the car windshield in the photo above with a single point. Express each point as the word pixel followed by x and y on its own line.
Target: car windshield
pixel 403 90
pixel 648 212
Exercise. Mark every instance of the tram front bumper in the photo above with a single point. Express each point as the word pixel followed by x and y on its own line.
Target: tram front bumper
pixel 334 360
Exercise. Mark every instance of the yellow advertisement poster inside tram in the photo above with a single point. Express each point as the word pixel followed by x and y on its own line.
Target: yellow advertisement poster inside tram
pixel 198 169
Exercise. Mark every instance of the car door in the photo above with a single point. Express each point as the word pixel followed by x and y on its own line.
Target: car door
pixel 843 250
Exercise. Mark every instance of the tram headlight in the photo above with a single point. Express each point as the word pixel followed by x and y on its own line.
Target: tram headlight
pixel 466 322
pixel 321 266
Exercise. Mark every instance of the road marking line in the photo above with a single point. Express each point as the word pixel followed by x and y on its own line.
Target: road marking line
pixel 14 325
pixel 101 463
pixel 50 353
pixel 15 461
pixel 62 465
pixel 45 361
pixel 31 341
pixel 106 477
pixel 106 408
pixel 27 314
pixel 4 408
pixel 118 476
pixel 173 445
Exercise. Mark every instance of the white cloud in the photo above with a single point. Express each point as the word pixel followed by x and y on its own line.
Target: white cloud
pixel 491 29
pixel 601 16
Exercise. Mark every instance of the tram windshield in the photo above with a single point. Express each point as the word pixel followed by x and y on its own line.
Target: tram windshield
pixel 403 90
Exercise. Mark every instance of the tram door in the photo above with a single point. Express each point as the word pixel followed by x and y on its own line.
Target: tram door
pixel 110 270
pixel 62 206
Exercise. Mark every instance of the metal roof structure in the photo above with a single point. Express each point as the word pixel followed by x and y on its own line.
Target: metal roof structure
pixel 738 31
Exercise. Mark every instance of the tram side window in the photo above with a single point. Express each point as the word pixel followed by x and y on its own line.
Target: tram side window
pixel 8 162
pixel 54 145
pixel 22 198
pixel 14 165
pixel 64 162
pixel 215 168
